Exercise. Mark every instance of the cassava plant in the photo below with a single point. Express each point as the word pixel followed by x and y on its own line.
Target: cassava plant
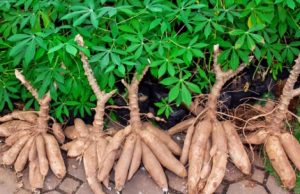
pixel 29 139
pixel 140 142
pixel 209 141
pixel 90 142
pixel 280 145
pixel 123 34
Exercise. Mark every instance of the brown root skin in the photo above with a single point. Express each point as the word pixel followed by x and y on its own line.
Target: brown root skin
pixel 154 168
pixel 136 158
pixel 182 126
pixel 58 132
pixel 10 155
pixel 236 149
pixel 90 167
pixel 71 132
pixel 41 151
pixel 187 144
pixel 11 140
pixel 123 164
pixel 162 153
pixel 20 115
pixel 197 154
pixel 54 156
pixel 280 162
pixel 23 156
pixel 11 127
pixel 164 137
pixel 206 167
pixel 217 173
pixel 256 138
pixel 291 147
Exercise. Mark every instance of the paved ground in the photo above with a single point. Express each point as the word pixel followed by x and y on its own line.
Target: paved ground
pixel 74 182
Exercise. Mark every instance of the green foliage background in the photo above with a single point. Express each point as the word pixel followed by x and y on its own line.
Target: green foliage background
pixel 174 37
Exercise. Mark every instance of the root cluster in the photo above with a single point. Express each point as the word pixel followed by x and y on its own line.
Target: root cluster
pixel 209 141
pixel 90 141
pixel 29 140
pixel 128 147
pixel 268 128
pixel 140 143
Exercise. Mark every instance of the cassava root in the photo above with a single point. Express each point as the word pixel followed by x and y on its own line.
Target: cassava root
pixel 281 146
pixel 28 137
pixel 90 141
pixel 209 141
pixel 142 143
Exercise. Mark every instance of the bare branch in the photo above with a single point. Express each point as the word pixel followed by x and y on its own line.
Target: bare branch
pixel 26 83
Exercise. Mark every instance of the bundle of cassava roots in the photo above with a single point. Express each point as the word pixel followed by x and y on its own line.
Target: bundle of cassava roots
pixel 268 127
pixel 129 146
pixel 29 139
pixel 210 140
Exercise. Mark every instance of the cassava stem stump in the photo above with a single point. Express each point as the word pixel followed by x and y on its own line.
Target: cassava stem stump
pixel 140 143
pixel 27 134
pixel 209 141
pixel 281 146
pixel 90 142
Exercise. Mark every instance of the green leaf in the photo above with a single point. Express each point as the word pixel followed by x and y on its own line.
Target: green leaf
pixel 71 49
pixel 94 20
pixel 169 81
pixel 18 37
pixel 55 48
pixel 291 4
pixel 258 38
pixel 162 70
pixel 250 43
pixel 18 48
pixel 73 14
pixel 236 32
pixel 186 95
pixel 174 92
pixel 193 87
pixel 30 52
pixel 234 60
pixel 257 27
pixel 207 30
pixel 154 23
pixel 240 42
pixel 81 19
pixel 282 27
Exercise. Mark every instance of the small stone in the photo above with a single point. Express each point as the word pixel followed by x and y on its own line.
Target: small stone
pixel 141 182
pixel 258 175
pixel 75 168
pixel 233 174
pixel 69 185
pixel 176 183
pixel 274 187
pixel 246 187
pixel 51 181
